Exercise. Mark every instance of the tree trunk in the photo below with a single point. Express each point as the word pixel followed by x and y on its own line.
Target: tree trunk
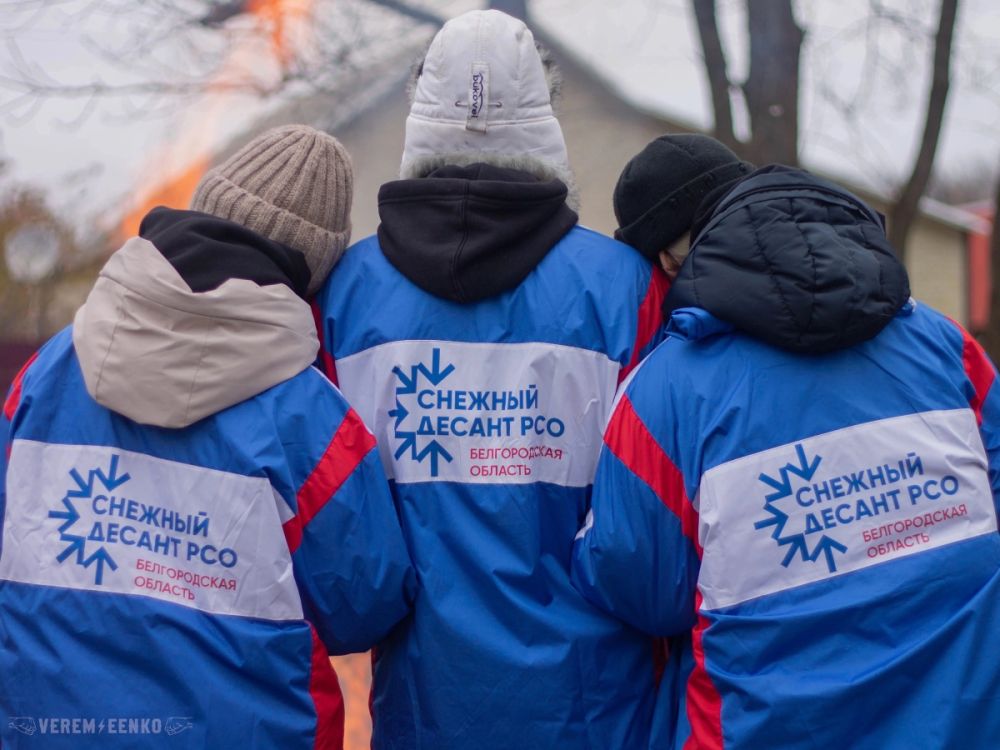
pixel 516 8
pixel 991 336
pixel 772 86
pixel 218 13
pixel 904 213
pixel 715 69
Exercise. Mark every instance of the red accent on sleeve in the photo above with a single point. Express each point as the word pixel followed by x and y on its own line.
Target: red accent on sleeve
pixel 14 397
pixel 327 698
pixel 350 444
pixel 650 318
pixel 629 439
pixel 325 358
pixel 978 369
pixel 704 704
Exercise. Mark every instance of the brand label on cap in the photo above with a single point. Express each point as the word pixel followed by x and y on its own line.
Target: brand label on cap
pixel 479 97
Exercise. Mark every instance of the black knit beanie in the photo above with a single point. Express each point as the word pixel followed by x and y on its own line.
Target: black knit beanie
pixel 662 186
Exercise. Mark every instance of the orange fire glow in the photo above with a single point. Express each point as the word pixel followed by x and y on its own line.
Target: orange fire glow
pixel 279 15
pixel 355 674
pixel 176 193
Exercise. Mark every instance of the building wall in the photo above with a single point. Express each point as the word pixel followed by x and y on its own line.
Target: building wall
pixel 938 265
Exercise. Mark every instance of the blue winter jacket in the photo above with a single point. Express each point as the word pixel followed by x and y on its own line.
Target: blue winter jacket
pixel 815 532
pixel 488 397
pixel 182 587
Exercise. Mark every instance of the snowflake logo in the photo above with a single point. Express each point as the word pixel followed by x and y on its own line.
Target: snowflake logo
pixel 174 725
pixel 408 439
pixel 796 541
pixel 76 544
pixel 23 724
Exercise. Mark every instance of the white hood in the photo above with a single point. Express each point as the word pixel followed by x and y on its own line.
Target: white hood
pixel 160 354
pixel 482 94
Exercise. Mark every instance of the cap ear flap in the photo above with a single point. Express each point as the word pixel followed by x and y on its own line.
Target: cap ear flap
pixel 416 70
pixel 553 75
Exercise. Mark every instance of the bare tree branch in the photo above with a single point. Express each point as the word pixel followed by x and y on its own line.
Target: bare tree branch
pixel 905 211
pixel 516 8
pixel 417 14
pixel 219 13
pixel 167 88
pixel 715 68
pixel 159 54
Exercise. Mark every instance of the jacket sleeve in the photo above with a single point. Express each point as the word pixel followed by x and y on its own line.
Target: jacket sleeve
pixel 984 400
pixel 650 330
pixel 351 565
pixel 990 431
pixel 4 457
pixel 324 360
pixel 10 404
pixel 638 555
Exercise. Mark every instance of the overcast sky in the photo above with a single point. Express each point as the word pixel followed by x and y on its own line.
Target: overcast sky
pixel 93 157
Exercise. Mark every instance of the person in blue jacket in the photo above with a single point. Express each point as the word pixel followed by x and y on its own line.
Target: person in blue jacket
pixel 192 516
pixel 799 488
pixel 482 333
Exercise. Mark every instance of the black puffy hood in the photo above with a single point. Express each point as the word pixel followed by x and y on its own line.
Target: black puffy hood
pixel 795 261
pixel 469 233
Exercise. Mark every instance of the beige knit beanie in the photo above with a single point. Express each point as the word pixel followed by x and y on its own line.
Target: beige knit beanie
pixel 292 184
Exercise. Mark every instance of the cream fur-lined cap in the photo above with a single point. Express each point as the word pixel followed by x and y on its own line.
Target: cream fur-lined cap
pixel 294 185
pixel 482 95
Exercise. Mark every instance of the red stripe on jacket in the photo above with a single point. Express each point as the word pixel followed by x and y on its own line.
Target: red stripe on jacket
pixel 978 369
pixel 650 318
pixel 327 698
pixel 14 397
pixel 629 439
pixel 350 444
pixel 704 704
pixel 326 362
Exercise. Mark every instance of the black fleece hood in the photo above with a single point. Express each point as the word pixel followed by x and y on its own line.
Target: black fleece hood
pixel 208 251
pixel 795 261
pixel 469 233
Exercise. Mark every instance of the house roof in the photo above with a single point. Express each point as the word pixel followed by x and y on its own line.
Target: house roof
pixel 958 217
